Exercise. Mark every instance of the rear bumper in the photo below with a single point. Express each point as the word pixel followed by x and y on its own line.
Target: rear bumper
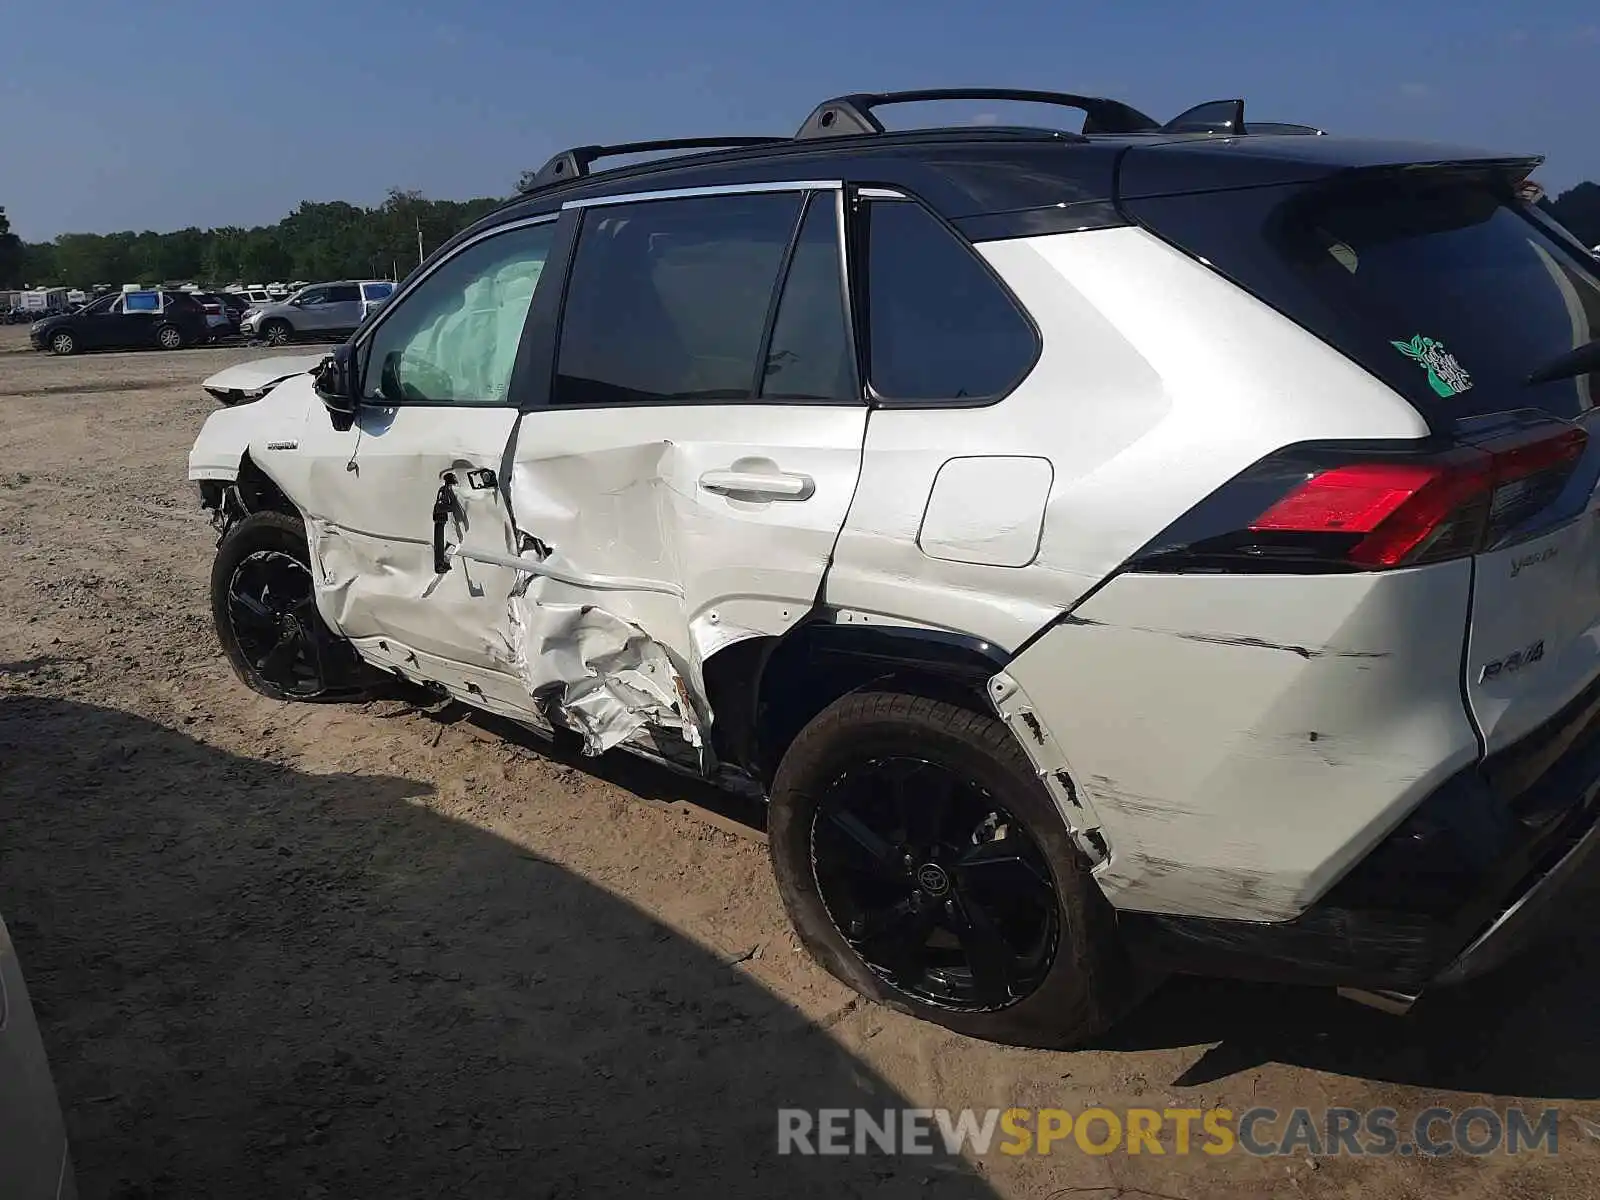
pixel 1470 878
pixel 1526 916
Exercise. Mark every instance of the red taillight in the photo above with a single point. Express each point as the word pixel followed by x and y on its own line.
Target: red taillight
pixel 1401 506
pixel 1353 499
pixel 1337 507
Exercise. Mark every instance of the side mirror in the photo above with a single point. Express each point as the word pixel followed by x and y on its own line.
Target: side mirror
pixel 335 383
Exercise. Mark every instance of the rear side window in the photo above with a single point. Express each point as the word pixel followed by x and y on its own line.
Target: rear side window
pixel 136 302
pixel 941 328
pixel 376 291
pixel 1446 289
pixel 809 357
pixel 668 299
pixel 343 293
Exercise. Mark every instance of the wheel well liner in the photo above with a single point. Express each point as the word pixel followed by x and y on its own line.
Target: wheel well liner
pixel 765 690
pixel 258 493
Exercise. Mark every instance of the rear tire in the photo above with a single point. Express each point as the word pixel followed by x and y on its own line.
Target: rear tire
pixel 263 605
pixel 826 785
pixel 63 343
pixel 169 337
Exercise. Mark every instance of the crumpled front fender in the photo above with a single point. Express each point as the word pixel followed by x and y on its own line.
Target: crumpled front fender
pixel 229 433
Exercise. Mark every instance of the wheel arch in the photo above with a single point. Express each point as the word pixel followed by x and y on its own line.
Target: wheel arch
pixel 763 691
pixel 259 492
pixel 251 489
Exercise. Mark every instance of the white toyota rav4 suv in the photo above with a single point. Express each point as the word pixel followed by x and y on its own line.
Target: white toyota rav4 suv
pixel 1166 546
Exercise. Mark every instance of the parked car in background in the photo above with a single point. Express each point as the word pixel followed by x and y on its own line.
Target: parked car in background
pixel 323 310
pixel 222 315
pixel 132 320
pixel 34 1160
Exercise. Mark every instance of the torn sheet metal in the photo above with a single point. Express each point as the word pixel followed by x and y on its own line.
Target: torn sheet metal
pixel 580 665
pixel 606 561
pixel 261 373
pixel 603 676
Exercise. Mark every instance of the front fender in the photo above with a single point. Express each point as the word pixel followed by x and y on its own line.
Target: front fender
pixel 229 433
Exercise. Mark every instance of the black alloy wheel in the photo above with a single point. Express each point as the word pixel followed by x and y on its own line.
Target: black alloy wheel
pixel 937 887
pixel 272 609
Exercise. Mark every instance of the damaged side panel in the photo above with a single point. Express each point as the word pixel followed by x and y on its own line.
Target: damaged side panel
pixel 595 558
pixel 1195 746
pixel 663 534
pixel 1017 711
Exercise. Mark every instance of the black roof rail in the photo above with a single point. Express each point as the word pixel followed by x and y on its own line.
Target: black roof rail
pixel 1226 117
pixel 575 163
pixel 1285 127
pixel 844 116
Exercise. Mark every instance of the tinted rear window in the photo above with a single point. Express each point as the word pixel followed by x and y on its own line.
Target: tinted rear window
pixel 941 327
pixel 1447 290
pixel 668 299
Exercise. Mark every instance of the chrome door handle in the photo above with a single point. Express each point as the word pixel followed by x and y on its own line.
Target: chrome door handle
pixel 759 485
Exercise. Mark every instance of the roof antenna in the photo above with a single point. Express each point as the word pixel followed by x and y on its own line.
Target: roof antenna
pixel 1225 117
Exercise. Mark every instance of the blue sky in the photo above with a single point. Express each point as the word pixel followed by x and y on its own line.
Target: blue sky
pixel 120 115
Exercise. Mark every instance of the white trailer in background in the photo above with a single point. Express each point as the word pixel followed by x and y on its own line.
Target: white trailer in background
pixel 43 299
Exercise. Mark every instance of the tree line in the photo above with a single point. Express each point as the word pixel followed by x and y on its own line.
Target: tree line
pixel 335 240
pixel 318 240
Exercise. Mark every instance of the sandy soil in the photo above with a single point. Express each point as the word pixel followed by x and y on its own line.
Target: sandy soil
pixel 313 951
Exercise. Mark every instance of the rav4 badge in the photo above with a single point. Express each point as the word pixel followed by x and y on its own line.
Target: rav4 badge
pixel 1512 663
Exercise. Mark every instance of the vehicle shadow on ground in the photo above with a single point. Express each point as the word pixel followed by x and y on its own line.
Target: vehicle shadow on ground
pixel 644 780
pixel 255 981
pixel 1525 1030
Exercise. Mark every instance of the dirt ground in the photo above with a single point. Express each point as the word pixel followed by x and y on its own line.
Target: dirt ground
pixel 316 951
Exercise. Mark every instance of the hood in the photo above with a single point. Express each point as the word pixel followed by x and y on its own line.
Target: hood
pixel 248 381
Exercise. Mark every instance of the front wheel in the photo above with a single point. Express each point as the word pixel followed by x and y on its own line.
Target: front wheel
pixel 264 605
pixel 923 864
pixel 62 342
pixel 277 333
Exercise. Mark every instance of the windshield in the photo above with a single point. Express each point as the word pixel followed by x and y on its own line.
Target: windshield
pixel 1448 289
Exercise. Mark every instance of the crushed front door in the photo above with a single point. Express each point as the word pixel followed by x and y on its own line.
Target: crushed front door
pixel 407 511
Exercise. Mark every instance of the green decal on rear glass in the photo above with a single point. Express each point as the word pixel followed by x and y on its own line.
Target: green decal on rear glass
pixel 1445 375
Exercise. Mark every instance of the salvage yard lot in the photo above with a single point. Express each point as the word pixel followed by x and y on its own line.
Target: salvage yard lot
pixel 365 951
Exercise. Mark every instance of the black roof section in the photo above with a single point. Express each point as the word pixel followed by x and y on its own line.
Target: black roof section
pixel 851 116
pixel 996 181
pixel 1213 163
